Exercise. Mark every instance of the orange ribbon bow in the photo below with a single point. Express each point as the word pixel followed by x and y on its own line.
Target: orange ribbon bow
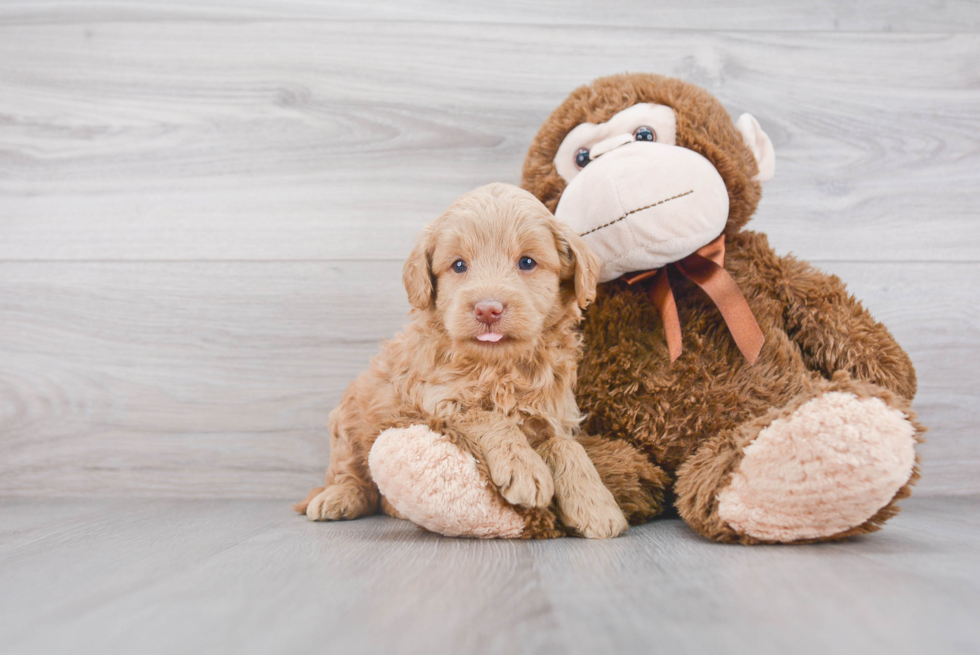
pixel 705 268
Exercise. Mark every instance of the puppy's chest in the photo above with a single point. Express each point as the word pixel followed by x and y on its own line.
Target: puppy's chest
pixel 518 399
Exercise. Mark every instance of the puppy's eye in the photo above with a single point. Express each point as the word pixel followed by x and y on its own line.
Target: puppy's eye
pixel 644 133
pixel 459 266
pixel 582 158
pixel 526 263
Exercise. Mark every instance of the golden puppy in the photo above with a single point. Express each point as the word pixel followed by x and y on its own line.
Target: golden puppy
pixel 489 360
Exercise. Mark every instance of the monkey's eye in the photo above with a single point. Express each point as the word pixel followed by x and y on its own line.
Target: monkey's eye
pixel 644 133
pixel 459 266
pixel 526 263
pixel 582 158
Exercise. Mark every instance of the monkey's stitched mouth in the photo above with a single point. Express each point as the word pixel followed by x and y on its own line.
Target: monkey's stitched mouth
pixel 638 209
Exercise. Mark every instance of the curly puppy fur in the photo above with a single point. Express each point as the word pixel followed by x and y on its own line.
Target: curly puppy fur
pixel 510 403
pixel 710 401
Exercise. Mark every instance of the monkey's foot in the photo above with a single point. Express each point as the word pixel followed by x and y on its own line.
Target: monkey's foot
pixel 437 486
pixel 825 468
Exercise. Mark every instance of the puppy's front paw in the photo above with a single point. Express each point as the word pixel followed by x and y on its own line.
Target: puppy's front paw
pixel 593 514
pixel 337 502
pixel 604 523
pixel 523 479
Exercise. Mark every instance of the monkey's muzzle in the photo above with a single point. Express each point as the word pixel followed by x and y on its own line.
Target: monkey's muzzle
pixel 641 206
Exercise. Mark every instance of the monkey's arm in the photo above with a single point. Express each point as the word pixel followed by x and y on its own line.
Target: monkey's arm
pixel 836 333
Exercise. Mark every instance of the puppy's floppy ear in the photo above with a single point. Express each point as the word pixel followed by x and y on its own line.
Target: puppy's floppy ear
pixel 417 274
pixel 578 262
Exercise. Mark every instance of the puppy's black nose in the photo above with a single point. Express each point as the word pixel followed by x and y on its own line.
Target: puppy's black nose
pixel 488 311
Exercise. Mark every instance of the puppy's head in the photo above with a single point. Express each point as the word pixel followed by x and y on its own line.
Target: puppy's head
pixel 496 271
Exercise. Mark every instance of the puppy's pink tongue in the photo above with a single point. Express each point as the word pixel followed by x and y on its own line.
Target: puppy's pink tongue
pixel 490 336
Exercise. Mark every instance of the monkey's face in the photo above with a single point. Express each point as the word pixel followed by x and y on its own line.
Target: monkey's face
pixel 637 198
pixel 647 169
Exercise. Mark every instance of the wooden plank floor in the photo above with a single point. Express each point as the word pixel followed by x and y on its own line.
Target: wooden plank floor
pixel 172 576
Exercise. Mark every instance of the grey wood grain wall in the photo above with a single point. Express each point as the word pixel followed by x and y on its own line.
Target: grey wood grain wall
pixel 204 205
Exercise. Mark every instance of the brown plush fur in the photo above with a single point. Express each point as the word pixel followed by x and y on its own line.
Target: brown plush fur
pixel 499 400
pixel 691 418
pixel 636 483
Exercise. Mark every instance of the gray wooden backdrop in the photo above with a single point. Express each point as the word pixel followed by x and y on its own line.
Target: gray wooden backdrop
pixel 204 204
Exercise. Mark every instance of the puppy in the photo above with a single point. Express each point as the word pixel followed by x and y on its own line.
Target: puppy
pixel 489 359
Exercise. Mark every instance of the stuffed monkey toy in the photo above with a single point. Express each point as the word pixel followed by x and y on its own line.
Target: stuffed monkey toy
pixel 749 389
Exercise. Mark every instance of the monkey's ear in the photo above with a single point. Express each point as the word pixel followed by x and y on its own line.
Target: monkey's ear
pixel 761 146
pixel 578 263
pixel 417 274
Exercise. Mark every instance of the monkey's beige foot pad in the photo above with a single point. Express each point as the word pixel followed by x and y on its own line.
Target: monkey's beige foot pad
pixel 436 485
pixel 827 467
